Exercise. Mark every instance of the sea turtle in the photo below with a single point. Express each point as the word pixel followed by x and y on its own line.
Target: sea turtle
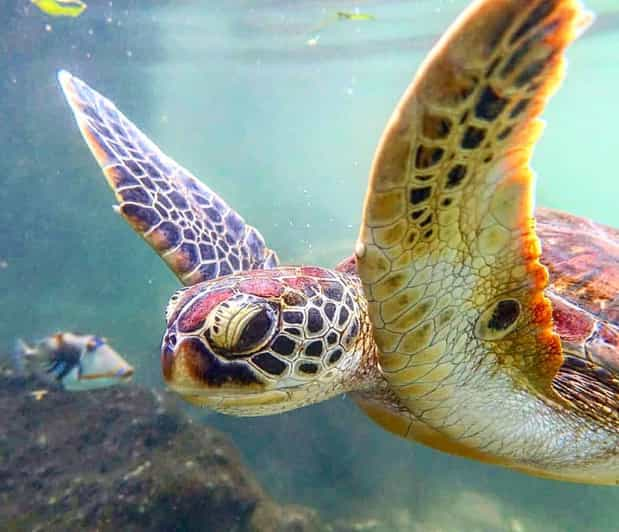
pixel 462 321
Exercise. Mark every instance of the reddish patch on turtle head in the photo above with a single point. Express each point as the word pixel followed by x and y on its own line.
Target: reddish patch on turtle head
pixel 262 287
pixel 192 318
pixel 306 285
pixel 186 295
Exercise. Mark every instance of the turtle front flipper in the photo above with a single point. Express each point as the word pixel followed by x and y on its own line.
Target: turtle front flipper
pixel 193 230
pixel 447 252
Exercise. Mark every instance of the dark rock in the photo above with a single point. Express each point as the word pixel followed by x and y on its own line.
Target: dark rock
pixel 291 518
pixel 125 459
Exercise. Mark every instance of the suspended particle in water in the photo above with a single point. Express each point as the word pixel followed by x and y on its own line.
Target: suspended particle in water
pixel 313 41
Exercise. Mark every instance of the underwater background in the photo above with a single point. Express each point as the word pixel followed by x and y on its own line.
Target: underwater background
pixel 280 114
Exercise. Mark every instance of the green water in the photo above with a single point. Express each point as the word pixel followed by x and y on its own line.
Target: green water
pixel 286 133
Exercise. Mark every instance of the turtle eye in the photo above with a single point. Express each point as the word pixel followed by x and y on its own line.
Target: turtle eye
pixel 256 330
pixel 238 326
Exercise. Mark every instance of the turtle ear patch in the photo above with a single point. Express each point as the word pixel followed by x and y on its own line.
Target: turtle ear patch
pixel 499 319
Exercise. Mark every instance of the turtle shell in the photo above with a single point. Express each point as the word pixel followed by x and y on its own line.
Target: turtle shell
pixel 581 257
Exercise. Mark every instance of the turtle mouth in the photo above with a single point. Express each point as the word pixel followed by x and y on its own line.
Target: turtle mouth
pixel 247 403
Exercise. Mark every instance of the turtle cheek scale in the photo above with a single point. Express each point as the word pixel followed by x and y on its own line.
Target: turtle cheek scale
pixel 318 333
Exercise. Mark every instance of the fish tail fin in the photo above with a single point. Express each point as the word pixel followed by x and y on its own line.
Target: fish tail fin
pixel 22 355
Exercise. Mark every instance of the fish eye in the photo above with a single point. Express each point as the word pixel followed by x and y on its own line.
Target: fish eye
pixel 241 326
pixel 94 343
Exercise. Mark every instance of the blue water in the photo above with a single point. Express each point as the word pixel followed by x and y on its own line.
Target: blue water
pixel 286 133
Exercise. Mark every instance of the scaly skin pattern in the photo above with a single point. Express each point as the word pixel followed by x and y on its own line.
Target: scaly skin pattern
pixel 578 436
pixel 310 339
pixel 471 328
pixel 451 259
pixel 193 230
pixel 322 345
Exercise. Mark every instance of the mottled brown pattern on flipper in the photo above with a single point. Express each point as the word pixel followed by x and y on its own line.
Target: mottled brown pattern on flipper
pixel 582 258
pixel 447 252
pixel 191 228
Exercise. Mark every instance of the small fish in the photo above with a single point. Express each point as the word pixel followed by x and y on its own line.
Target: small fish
pixel 339 16
pixel 74 361
pixel 344 15
pixel 61 8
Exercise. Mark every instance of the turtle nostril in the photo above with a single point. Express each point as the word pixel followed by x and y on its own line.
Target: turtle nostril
pixel 168 343
pixel 171 339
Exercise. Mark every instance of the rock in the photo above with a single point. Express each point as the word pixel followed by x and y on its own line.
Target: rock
pixel 291 518
pixel 124 458
pixel 353 525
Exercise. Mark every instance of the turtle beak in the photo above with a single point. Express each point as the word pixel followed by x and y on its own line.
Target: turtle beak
pixel 192 371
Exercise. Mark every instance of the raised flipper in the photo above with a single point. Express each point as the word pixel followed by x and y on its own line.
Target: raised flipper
pixel 193 230
pixel 447 252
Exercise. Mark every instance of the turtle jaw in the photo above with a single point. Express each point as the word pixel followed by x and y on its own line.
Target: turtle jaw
pixel 239 403
pixel 200 378
pixel 193 371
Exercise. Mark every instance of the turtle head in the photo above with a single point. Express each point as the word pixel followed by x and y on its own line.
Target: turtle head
pixel 267 341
